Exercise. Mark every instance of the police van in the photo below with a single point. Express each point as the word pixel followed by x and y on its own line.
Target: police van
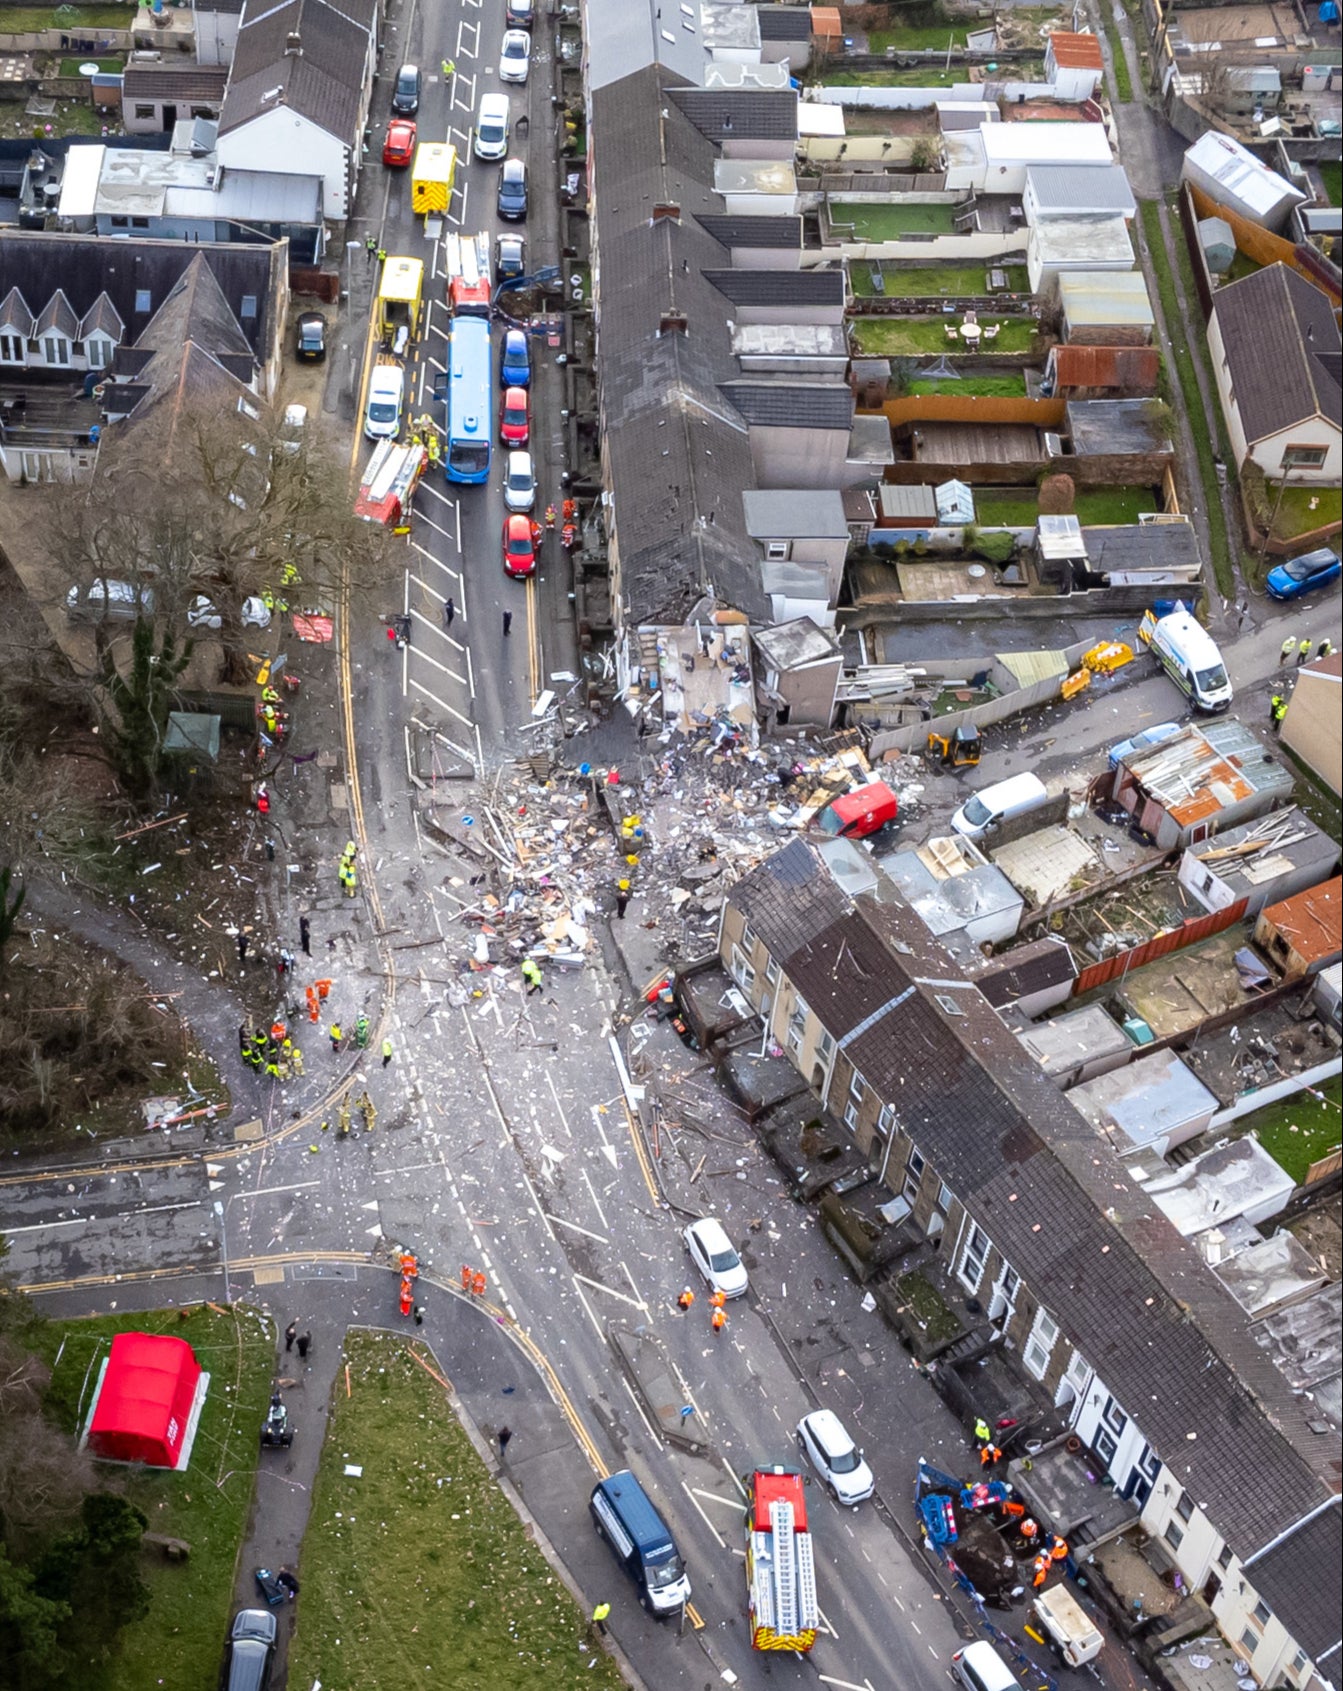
pixel 1189 655
pixel 626 1518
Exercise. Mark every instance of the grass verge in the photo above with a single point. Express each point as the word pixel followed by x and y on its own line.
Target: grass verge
pixel 973 387
pixel 1297 1131
pixel 181 1640
pixel 1201 426
pixel 1118 63
pixel 419 1566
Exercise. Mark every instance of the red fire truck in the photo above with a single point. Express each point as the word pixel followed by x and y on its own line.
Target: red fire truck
pixel 389 484
pixel 780 1571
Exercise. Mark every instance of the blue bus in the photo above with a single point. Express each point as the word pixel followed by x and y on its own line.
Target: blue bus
pixel 470 400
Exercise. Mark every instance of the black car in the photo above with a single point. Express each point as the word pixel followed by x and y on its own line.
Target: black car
pixel 513 190
pixel 312 335
pixel 406 94
pixel 510 257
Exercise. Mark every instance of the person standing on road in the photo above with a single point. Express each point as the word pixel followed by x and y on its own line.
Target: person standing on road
pixel 622 899
pixel 718 1321
pixel 371 247
pixel 1323 649
pixel 1288 647
pixel 449 70
pixel 1302 651
pixel 290 1334
pixel 505 1434
pixel 508 623
pixel 335 1036
pixel 685 1300
pixel 305 936
pixel 386 1052
pixel 449 611
pixel 242 946
pixel 1277 709
pixel 532 975
pixel 304 1342
pixel 599 1615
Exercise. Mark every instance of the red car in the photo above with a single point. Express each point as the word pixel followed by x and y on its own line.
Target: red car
pixel 514 422
pixel 521 537
pixel 399 147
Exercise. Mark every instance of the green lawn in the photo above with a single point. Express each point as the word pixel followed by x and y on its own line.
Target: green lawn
pixel 986 387
pixel 999 510
pixel 1301 1129
pixel 418 1572
pixel 70 67
pixel 1098 506
pixel 1295 514
pixel 72 117
pixel 889 222
pixel 1331 174
pixel 1201 426
pixel 912 337
pixel 27 20
pixel 929 281
pixel 180 1643
pixel 912 39
pixel 1241 266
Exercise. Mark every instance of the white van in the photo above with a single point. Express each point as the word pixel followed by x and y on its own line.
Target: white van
pixel 386 396
pixel 1070 1631
pixel 1189 655
pixel 491 137
pixel 993 805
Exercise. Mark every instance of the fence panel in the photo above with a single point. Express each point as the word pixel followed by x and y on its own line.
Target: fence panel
pixel 1160 945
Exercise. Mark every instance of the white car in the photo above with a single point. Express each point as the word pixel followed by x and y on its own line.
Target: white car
pixel 835 1457
pixel 491 138
pixel 292 429
pixel 515 56
pixel 979 1667
pixel 203 613
pixel 712 1253
pixel 386 395
pixel 519 482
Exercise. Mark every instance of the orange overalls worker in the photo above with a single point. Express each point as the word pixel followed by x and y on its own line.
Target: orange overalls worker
pixel 407 1294
pixel 719 1320
pixel 718 1300
pixel 1058 1549
pixel 1029 1531
pixel 466 1277
pixel 989 1454
pixel 323 987
pixel 685 1300
pixel 1042 1567
pixel 314 1014
pixel 478 1284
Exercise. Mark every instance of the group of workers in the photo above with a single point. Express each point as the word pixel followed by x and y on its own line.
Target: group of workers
pixel 1301 649
pixel 272 1053
pixel 717 1303
pixel 423 432
pixel 1046 1550
pixel 348 872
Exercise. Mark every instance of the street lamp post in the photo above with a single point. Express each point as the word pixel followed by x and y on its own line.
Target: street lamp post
pixel 220 1210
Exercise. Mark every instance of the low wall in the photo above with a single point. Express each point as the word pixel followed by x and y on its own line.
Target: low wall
pixel 1294 1083
pixel 68 41
pixel 979 409
pixel 939 305
pixel 923 99
pixel 971 246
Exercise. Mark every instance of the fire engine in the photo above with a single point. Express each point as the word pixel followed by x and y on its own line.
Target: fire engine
pixel 389 483
pixel 468 264
pixel 780 1571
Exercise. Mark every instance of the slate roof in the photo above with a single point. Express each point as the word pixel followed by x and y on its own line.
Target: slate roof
pixel 1025 970
pixel 102 315
pixel 15 314
pixel 678 457
pixel 792 403
pixel 57 314
pixel 174 79
pixel 730 231
pixel 1136 1299
pixel 784 23
pixel 86 266
pixel 740 114
pixel 324 82
pixel 1278 335
pixel 1142 546
pixel 1283 1577
pixel 627 36
pixel 196 348
pixel 779 287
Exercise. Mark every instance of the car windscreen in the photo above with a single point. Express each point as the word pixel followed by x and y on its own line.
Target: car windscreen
pixel 664 1572
pixel 977 813
pixel 845 1462
pixel 722 1261
pixel 382 411
pixel 1301 569
pixel 1212 680
pixel 491 130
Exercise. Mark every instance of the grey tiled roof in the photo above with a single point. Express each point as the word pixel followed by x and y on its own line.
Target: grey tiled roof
pixel 1293 1579
pixel 627 36
pixel 784 23
pixel 324 82
pixel 102 315
pixel 730 231
pixel 14 314
pixel 59 314
pixel 1278 335
pixel 740 114
pixel 779 287
pixel 174 79
pixel 1134 1297
pixel 791 403
pixel 678 457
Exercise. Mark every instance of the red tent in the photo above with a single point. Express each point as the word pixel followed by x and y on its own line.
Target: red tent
pixel 145 1401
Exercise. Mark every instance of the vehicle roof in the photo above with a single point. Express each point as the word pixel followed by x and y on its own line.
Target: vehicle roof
pixel 1320 555
pixel 989 1665
pixel 828 1430
pixel 515 337
pixel 1183 628
pixel 494 103
pixel 519 459
pixel 779 1485
pixel 711 1231
pixel 254 1623
pixel 387 376
pixel 519 519
pixel 514 168
pixel 636 1509
pixel 1014 787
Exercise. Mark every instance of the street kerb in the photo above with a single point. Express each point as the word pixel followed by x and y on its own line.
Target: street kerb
pixel 644 1360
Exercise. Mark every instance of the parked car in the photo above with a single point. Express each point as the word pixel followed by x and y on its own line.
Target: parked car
pixel 1143 742
pixel 386 395
pixel 519 482
pixel 836 1458
pixel 312 336
pixel 515 56
pixel 521 535
pixel 519 14
pixel 512 199
pixel 399 146
pixel 406 93
pixel 514 417
pixel 491 137
pixel 202 613
pixel 251 1650
pixel 510 257
pixel 1305 574
pixel 515 361
pixel 712 1253
pixel 293 429
pixel 979 1667
pixel 109 601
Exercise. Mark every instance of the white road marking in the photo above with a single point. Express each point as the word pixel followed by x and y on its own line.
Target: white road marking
pixel 721 1541
pixel 441 703
pixel 83 1220
pixel 601 1238
pixel 596 1202
pixel 652 1432
pixel 610 1291
pixel 588 1312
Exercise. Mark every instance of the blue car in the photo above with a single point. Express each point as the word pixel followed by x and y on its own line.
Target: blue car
pixel 515 364
pixel 1143 742
pixel 1304 574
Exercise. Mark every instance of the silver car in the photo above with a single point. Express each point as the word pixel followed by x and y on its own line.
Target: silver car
pixel 109 601
pixel 515 56
pixel 519 482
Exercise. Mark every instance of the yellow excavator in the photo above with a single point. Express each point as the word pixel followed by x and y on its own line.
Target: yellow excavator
pixel 957 750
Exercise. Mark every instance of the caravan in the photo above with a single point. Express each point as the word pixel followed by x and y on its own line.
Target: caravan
pixel 1189 655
